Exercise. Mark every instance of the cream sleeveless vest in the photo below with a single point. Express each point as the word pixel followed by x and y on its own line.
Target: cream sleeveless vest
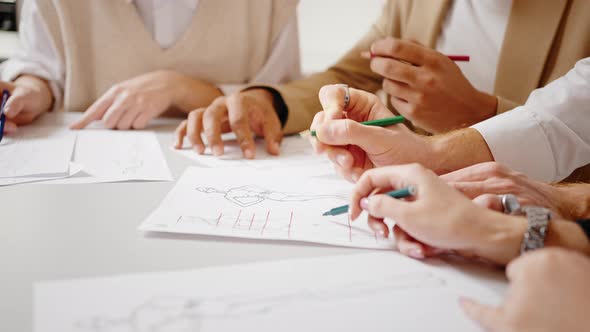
pixel 103 42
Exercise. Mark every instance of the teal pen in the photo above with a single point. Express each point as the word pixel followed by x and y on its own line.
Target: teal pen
pixel 401 193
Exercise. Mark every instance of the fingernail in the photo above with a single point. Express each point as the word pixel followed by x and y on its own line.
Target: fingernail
pixel 380 234
pixel 217 150
pixel 341 160
pixel 416 253
pixel 249 153
pixel 365 204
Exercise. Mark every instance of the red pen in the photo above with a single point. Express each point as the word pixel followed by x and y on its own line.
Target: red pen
pixel 454 57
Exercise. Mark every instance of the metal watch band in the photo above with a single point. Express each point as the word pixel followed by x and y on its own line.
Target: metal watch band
pixel 538 219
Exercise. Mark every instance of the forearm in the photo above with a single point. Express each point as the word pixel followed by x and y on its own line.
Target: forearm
pixel 45 98
pixel 575 200
pixel 190 94
pixel 457 150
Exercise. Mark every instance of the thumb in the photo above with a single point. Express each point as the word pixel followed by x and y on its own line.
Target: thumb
pixel 349 132
pixel 383 206
pixel 487 317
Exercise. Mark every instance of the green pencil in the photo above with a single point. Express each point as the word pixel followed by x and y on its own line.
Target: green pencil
pixel 377 123
pixel 401 193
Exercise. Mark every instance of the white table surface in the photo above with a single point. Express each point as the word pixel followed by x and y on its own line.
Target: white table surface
pixel 71 231
pixel 8 44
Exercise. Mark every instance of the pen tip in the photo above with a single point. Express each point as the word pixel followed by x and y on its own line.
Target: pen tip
pixel 326 213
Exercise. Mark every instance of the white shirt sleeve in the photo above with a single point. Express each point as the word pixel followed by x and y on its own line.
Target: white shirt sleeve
pixel 549 137
pixel 37 54
pixel 283 64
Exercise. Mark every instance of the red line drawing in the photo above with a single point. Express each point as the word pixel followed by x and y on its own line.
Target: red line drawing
pixel 251 221
pixel 290 222
pixel 349 229
pixel 265 223
pixel 219 219
pixel 237 219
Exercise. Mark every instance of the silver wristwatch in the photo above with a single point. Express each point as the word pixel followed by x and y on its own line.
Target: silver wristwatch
pixel 538 218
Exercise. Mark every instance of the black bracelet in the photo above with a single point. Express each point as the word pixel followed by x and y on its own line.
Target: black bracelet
pixel 585 224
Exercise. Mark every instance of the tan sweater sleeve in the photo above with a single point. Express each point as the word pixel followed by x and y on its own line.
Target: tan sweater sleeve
pixel 301 97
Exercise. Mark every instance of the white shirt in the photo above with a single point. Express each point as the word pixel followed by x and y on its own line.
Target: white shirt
pixel 476 28
pixel 166 20
pixel 549 137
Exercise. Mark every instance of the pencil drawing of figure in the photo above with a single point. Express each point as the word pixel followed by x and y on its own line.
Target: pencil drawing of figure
pixel 251 195
pixel 187 314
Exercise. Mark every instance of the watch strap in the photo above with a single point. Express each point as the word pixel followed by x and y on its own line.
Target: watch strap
pixel 538 224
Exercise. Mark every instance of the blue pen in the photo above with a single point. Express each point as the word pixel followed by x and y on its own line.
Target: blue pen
pixel 5 96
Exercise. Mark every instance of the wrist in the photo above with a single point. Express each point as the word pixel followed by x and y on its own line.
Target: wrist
pixel 486 107
pixel 501 237
pixel 187 93
pixel 457 150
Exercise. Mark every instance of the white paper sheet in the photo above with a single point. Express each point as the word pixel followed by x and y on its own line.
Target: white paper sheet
pixel 111 156
pixel 37 151
pixel 74 170
pixel 259 204
pixel 296 152
pixel 363 292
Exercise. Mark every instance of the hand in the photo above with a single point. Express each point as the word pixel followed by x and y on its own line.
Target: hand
pixel 132 104
pixel 30 97
pixel 245 113
pixel 487 181
pixel 427 87
pixel 548 292
pixel 438 217
pixel 355 148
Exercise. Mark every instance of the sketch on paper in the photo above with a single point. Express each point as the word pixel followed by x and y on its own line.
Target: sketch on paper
pixel 250 195
pixel 188 313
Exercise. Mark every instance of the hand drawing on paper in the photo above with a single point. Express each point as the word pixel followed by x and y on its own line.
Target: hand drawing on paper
pixel 249 195
pixel 187 313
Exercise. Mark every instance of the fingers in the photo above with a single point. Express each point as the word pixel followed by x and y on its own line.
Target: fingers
pixel 478 172
pixel 399 49
pixel 213 119
pixel 385 178
pixel 179 134
pixel 341 157
pixel 16 103
pixel 407 245
pixel 142 120
pixel 318 119
pixel 488 317
pixel 273 134
pixel 240 125
pixel 332 98
pixel 128 118
pixel 10 128
pixel 378 226
pixel 394 70
pixel 194 128
pixel 400 90
pixel 115 112
pixel 96 111
pixel 489 201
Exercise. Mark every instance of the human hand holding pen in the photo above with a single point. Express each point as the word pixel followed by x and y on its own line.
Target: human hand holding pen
pixel 437 217
pixel 355 148
pixel 427 87
pixel 30 97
